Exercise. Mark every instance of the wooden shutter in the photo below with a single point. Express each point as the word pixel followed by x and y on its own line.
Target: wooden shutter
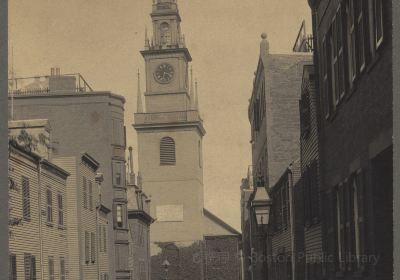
pixel 87 258
pixel 167 151
pixel 49 200
pixel 105 238
pixel 26 204
pixel 93 247
pixel 84 189
pixel 12 267
pixel 62 269
pixel 60 209
pixel 90 195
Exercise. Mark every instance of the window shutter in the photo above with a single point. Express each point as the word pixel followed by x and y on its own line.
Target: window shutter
pixel 26 207
pixel 49 199
pixel 93 247
pixel 12 267
pixel 87 258
pixel 51 268
pixel 105 238
pixel 60 209
pixel 84 189
pixel 361 190
pixel 33 268
pixel 167 151
pixel 90 195
pixel 62 269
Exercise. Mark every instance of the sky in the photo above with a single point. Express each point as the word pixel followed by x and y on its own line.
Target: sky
pixel 101 39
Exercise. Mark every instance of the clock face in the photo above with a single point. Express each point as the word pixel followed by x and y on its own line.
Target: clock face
pixel 164 27
pixel 164 73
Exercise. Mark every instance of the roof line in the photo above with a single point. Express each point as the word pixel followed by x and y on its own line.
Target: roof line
pixel 220 222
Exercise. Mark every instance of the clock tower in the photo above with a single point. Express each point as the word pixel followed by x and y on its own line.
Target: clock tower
pixel 170 132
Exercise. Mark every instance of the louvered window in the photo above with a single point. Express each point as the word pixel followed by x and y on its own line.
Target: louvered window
pixel 167 151
pixel 26 207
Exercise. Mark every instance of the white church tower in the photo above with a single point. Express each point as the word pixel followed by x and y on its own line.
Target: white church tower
pixel 170 133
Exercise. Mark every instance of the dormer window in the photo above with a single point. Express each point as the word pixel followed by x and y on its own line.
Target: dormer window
pixel 167 151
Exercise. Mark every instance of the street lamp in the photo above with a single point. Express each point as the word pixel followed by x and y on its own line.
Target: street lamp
pixel 261 203
pixel 165 265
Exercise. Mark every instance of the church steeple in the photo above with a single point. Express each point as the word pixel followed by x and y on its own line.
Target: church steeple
pixel 166 25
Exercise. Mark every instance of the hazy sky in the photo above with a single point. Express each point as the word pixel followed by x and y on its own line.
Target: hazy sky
pixel 101 39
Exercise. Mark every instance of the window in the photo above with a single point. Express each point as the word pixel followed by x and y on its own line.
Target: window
pixel 90 196
pixel 330 215
pixel 118 175
pixel 350 232
pixel 361 40
pixel 311 194
pixel 118 132
pixel 325 62
pixel 305 113
pixel 12 273
pixel 93 247
pixel 85 195
pixel 378 22
pixel 87 257
pixel 119 216
pixel 60 209
pixel 29 267
pixel 63 274
pixel 26 204
pixel 281 207
pixel 358 210
pixel 167 151
pixel 352 63
pixel 49 200
pixel 51 268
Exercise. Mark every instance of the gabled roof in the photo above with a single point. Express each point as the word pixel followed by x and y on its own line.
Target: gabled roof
pixel 220 222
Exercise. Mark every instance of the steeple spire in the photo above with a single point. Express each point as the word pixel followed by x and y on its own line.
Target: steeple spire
pixel 196 101
pixel 146 39
pixel 139 96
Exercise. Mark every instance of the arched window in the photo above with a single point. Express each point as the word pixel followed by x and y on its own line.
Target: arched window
pixel 167 151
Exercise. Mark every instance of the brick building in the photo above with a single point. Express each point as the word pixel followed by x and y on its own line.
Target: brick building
pixel 275 127
pixel 353 59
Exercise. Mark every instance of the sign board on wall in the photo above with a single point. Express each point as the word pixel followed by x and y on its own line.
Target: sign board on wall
pixel 169 213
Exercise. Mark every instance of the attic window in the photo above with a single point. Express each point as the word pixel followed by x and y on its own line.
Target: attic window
pixel 167 151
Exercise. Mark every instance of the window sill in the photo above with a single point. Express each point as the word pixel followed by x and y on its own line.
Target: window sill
pixel 62 227
pixel 49 224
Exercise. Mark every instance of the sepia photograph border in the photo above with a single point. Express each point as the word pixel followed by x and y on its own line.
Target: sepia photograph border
pixel 4 142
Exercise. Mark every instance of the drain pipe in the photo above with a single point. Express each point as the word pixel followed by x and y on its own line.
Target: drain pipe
pixel 40 216
pixel 292 221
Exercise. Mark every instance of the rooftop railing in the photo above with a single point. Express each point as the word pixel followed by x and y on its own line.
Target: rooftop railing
pixel 42 85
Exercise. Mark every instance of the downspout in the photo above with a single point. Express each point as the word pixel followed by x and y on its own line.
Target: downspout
pixel 40 217
pixel 292 225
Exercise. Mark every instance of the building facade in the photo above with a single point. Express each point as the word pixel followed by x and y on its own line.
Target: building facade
pixel 310 175
pixel 139 221
pixel 275 129
pixel 83 226
pixel 353 58
pixel 37 195
pixel 84 120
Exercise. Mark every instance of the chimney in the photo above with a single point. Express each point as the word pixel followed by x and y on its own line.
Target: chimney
pixel 58 82
pixel 132 172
